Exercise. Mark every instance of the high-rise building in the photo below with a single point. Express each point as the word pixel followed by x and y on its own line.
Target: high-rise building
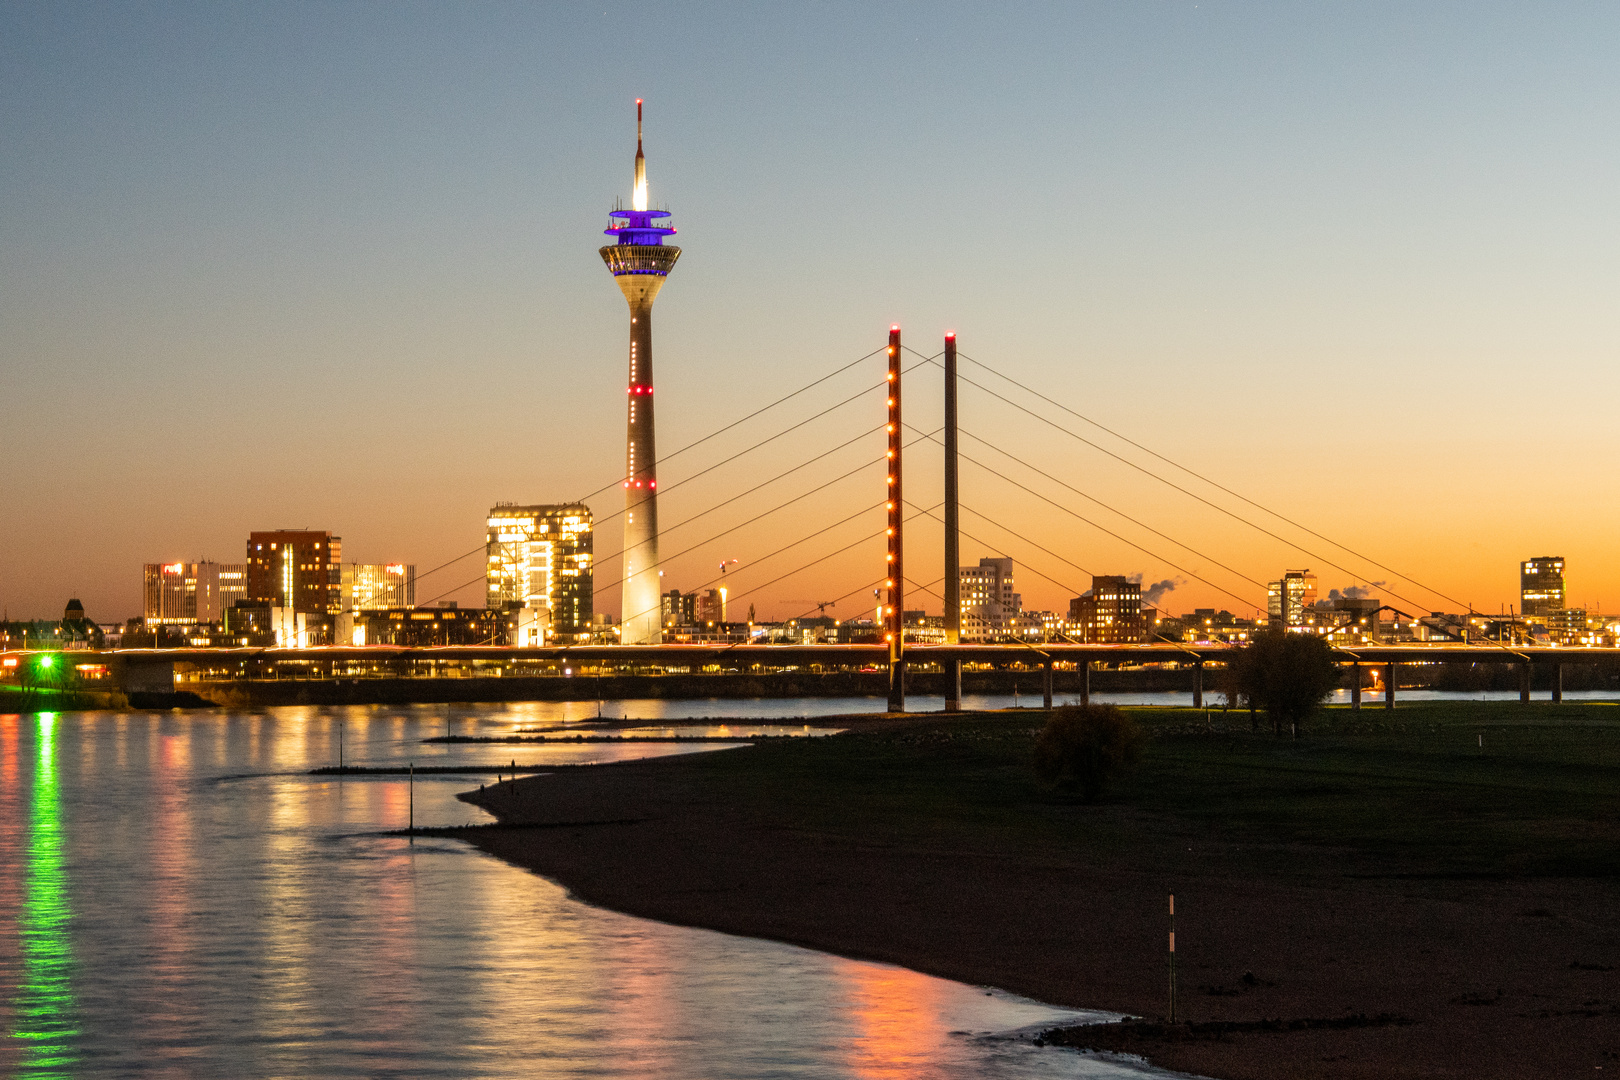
pixel 189 594
pixel 1288 600
pixel 1541 585
pixel 988 599
pixel 541 557
pixel 679 609
pixel 378 586
pixel 710 605
pixel 298 569
pixel 639 262
pixel 1111 612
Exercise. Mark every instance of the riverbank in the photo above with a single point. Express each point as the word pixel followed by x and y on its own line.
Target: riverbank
pixel 1452 867
pixel 261 693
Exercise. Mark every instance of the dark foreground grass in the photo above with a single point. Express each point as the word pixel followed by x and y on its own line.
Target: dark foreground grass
pixel 1449 870
pixel 1452 789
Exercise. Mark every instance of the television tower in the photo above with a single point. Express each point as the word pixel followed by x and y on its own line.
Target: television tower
pixel 640 261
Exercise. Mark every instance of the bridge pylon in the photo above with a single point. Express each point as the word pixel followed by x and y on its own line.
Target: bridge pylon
pixel 893 612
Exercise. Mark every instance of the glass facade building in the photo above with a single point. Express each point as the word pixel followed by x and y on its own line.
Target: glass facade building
pixel 1288 600
pixel 1541 585
pixel 541 557
pixel 191 594
pixel 988 600
pixel 296 569
pixel 1110 613
pixel 378 586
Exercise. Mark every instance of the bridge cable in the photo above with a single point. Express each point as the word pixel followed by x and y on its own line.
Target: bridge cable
pixel 1111 509
pixel 1314 555
pixel 1204 479
pixel 785 547
pixel 741 453
pixel 750 416
pixel 1103 528
pixel 779 506
pixel 829 555
pixel 664 531
pixel 875 386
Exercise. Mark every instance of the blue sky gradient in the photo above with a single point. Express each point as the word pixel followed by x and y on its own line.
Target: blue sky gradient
pixel 333 265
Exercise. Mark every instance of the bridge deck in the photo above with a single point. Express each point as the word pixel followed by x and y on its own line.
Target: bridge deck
pixel 845 655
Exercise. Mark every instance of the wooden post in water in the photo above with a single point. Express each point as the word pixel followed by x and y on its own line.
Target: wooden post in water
pixel 1355 686
pixel 1524 682
pixel 1046 684
pixel 1558 683
pixel 1198 685
pixel 1389 685
pixel 1085 682
pixel 412 818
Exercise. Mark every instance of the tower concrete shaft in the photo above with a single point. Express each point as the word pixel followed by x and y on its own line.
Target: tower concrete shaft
pixel 640 262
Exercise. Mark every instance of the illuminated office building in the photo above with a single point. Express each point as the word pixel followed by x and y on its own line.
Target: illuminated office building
pixel 1541 585
pixel 1110 613
pixel 679 609
pixel 1288 600
pixel 378 586
pixel 189 594
pixel 541 557
pixel 640 261
pixel 988 600
pixel 296 569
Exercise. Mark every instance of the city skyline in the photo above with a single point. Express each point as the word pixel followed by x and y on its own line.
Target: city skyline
pixel 1356 265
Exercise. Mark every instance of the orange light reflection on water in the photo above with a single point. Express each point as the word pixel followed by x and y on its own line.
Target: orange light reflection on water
pixel 172 882
pixel 897 1016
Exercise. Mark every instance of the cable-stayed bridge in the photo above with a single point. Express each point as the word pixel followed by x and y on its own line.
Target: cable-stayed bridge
pixel 858 463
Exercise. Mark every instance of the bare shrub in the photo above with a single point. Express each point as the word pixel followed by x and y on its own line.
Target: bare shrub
pixel 1085 747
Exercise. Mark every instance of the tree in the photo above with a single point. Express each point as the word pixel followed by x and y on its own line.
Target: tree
pixel 1085 747
pixel 1287 675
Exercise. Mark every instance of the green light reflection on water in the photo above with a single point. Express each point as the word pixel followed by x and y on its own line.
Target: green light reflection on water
pixel 44 1009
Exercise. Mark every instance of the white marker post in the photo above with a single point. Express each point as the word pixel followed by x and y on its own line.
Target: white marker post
pixel 1172 958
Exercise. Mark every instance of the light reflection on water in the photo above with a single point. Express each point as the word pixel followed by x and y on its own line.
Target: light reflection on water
pixel 178 897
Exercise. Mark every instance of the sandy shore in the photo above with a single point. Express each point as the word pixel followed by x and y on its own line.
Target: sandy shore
pixel 1484 979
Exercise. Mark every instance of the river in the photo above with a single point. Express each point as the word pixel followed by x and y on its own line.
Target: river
pixel 178 897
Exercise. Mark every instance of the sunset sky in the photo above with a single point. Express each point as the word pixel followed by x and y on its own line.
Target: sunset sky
pixel 334 266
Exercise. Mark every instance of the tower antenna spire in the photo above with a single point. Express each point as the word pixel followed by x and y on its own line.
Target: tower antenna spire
pixel 638 197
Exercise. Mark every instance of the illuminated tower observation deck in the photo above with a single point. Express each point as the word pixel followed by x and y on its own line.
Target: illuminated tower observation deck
pixel 640 261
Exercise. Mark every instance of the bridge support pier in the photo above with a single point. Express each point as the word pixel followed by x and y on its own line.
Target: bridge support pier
pixel 1198 685
pixel 1558 683
pixel 1524 682
pixel 1389 685
pixel 134 676
pixel 1085 682
pixel 1046 684
pixel 1355 687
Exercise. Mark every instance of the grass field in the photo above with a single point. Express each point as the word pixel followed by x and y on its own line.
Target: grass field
pixel 1449 865
pixel 1446 789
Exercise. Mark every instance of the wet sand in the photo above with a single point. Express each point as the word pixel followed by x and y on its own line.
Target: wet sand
pixel 1479 979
